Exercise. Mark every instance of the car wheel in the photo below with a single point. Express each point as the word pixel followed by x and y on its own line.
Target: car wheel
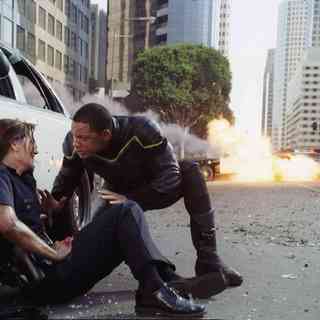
pixel 76 214
pixel 207 172
pixel 80 205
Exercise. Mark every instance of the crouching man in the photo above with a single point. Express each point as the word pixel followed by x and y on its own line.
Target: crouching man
pixel 119 233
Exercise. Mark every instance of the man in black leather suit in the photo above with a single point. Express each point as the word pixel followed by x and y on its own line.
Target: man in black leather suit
pixel 139 164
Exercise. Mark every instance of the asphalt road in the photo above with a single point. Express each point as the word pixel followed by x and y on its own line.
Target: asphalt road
pixel 268 231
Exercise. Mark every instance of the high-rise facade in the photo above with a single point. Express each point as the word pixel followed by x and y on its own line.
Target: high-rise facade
pixel 303 110
pixel 98 53
pixel 54 35
pixel 204 22
pixel 194 22
pixel 267 97
pixel 224 27
pixel 127 35
pixel 298 25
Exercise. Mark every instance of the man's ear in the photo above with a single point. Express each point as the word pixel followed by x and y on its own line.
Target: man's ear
pixel 107 134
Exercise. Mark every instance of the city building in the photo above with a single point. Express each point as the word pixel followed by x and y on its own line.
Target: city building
pixel 298 27
pixel 204 22
pixel 131 28
pixel 54 35
pixel 267 97
pixel 194 22
pixel 303 110
pixel 224 27
pixel 176 21
pixel 98 53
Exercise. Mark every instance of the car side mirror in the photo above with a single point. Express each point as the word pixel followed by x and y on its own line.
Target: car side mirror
pixel 4 65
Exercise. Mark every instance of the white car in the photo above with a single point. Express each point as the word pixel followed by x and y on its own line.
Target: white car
pixel 26 95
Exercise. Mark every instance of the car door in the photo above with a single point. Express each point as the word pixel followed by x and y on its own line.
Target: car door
pixel 31 99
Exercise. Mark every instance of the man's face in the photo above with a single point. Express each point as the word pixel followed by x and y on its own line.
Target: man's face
pixel 87 141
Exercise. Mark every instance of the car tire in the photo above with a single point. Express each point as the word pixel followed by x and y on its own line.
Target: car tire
pixel 76 214
pixel 79 205
pixel 207 172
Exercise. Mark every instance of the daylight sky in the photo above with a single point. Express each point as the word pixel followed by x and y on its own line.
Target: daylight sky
pixel 253 32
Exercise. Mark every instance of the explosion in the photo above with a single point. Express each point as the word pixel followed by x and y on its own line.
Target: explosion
pixel 251 159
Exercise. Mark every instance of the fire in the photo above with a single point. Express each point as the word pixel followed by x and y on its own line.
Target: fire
pixel 251 158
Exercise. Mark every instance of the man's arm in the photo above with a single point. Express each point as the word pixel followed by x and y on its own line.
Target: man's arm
pixel 70 173
pixel 15 231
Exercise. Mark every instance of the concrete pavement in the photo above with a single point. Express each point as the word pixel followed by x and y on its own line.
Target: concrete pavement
pixel 268 231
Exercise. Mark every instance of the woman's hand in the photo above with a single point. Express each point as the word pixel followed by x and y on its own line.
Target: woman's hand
pixel 62 248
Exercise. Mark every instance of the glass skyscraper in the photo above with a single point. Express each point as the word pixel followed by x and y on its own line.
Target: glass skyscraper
pixel 194 21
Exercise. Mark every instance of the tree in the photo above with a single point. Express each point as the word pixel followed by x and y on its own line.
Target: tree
pixel 186 84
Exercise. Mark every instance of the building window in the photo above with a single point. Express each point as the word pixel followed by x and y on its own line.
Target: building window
pixel 59 30
pixel 86 50
pixel 22 7
pixel 67 8
pixel 50 56
pixel 58 60
pixel 75 70
pixel 42 50
pixel 21 38
pixel 74 41
pixel 31 45
pixel 42 18
pixel 60 4
pixel 51 24
pixel 8 35
pixel 74 13
pixel 86 24
pixel 31 11
pixel 81 47
pixel 85 75
pixel 66 64
pixel 67 36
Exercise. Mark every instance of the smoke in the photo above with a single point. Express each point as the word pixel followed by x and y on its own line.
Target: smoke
pixel 179 137
pixel 66 97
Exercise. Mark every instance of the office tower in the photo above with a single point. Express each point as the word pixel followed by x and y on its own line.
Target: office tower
pixel 267 98
pixel 54 35
pixel 98 50
pixel 303 108
pixel 224 27
pixel 298 26
pixel 204 22
pixel 130 29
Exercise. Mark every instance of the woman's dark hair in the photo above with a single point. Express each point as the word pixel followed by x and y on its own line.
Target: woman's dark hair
pixel 12 130
pixel 96 115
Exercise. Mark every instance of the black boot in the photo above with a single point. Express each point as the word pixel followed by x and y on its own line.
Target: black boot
pixel 197 202
pixel 204 239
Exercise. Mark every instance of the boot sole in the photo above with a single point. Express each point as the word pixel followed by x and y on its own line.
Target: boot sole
pixel 147 312
pixel 201 287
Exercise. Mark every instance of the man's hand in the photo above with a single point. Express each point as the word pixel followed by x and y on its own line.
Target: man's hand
pixel 63 248
pixel 49 203
pixel 112 197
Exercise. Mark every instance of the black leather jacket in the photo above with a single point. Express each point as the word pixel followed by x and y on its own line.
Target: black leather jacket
pixel 140 164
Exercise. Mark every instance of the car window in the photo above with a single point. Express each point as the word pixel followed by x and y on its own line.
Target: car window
pixel 6 88
pixel 36 90
pixel 31 93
